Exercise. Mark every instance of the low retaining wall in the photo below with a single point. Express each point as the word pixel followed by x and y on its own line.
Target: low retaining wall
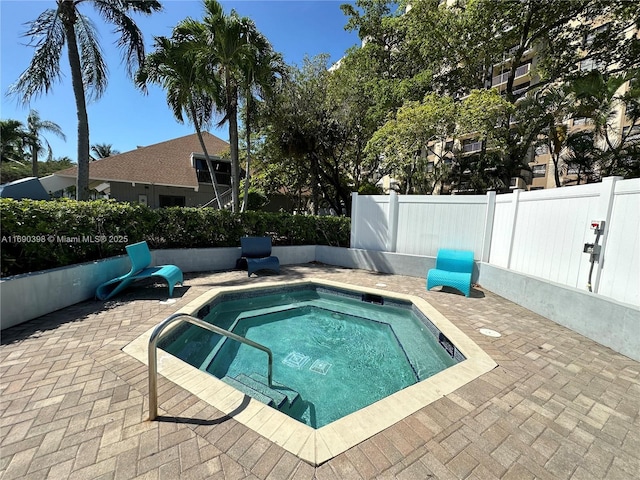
pixel 31 295
pixel 606 321
pixel 610 323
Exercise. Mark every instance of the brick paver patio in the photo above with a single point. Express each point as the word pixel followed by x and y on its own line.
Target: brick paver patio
pixel 73 405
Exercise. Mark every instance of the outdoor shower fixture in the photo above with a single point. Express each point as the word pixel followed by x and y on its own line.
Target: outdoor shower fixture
pixel 593 249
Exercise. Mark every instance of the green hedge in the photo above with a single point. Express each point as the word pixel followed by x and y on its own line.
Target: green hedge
pixel 37 235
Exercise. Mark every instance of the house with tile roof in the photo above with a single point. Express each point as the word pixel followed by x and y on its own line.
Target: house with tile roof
pixel 170 173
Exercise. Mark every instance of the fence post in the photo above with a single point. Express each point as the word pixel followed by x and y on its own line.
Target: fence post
pixel 354 220
pixel 514 219
pixel 392 222
pixel 604 209
pixel 488 226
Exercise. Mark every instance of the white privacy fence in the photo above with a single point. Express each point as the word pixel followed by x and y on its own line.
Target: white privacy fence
pixel 540 233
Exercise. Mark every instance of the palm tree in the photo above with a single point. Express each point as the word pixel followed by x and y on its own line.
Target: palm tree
pixel 13 138
pixel 65 24
pixel 103 150
pixel 556 103
pixel 598 98
pixel 175 67
pixel 225 46
pixel 259 77
pixel 36 126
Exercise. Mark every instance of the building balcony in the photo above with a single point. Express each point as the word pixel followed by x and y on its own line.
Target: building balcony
pixel 521 71
pixel 471 147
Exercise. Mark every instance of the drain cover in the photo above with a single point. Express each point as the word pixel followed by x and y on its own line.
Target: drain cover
pixel 490 333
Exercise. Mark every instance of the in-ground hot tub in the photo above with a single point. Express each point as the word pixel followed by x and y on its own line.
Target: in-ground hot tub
pixel 348 362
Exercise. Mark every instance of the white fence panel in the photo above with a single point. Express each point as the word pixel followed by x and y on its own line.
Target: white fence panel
pixel 502 230
pixel 370 224
pixel 427 223
pixel 551 229
pixel 620 277
pixel 539 233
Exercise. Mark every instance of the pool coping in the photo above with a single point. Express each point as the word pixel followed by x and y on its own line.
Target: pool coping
pixel 317 446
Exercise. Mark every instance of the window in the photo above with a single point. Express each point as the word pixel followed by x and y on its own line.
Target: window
pixel 430 167
pixel 539 171
pixel 448 146
pixel 589 64
pixel 469 146
pixel 590 37
pixel 579 121
pixel 542 149
pixel 171 201
pixel 572 169
pixel 222 172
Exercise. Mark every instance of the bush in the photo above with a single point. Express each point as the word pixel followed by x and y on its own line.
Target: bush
pixel 37 234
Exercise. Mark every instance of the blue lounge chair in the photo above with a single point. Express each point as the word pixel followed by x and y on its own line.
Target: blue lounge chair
pixel 453 269
pixel 257 253
pixel 140 257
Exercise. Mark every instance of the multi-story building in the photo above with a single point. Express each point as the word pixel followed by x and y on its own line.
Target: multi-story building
pixel 542 168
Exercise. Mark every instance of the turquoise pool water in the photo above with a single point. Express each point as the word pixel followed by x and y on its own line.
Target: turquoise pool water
pixel 334 352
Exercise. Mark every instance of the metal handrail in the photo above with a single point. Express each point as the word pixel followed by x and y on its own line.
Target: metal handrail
pixel 156 335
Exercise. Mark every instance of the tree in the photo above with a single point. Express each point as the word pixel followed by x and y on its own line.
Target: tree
pixel 13 138
pixel 598 98
pixel 259 74
pixel 308 130
pixel 66 25
pixel 36 126
pixel 403 141
pixel 103 150
pixel 224 43
pixel 176 66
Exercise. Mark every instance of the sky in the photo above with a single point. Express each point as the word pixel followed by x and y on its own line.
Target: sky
pixel 126 118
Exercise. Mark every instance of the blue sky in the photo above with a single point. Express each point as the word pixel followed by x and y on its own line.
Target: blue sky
pixel 126 118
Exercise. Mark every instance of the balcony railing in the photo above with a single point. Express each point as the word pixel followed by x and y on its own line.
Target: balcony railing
pixel 499 79
pixel 521 71
pixel 472 147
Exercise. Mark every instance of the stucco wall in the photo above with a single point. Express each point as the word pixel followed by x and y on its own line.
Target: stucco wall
pixel 125 192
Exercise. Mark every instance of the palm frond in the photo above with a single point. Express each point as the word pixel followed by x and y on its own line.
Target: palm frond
pixel 130 38
pixel 94 69
pixel 48 37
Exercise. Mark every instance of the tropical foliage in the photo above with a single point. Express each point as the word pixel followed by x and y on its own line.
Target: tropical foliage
pixel 102 150
pixel 66 25
pixel 65 232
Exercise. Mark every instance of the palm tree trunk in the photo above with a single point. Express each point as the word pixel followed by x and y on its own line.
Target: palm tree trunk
pixel 34 160
pixel 69 18
pixel 245 201
pixel 214 182
pixel 232 113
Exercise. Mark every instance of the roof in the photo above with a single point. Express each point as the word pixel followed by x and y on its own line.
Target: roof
pixel 166 163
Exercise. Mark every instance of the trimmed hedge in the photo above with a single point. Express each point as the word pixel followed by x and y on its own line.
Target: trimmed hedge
pixel 38 235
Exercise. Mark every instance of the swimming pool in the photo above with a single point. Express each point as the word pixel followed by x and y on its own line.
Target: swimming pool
pixel 317 445
pixel 335 351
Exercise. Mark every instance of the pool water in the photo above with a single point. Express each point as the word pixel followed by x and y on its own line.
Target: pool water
pixel 333 353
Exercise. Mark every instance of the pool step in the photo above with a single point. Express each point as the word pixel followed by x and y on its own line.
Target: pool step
pixel 278 399
pixel 291 395
pixel 256 386
pixel 247 390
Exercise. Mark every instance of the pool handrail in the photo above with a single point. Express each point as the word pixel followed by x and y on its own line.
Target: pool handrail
pixel 156 335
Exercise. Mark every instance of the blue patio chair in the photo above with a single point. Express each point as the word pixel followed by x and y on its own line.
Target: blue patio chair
pixel 256 251
pixel 453 269
pixel 140 257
